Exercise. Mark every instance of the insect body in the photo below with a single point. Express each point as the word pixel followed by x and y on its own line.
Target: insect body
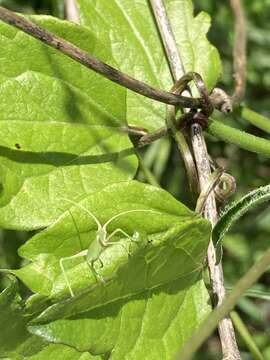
pixel 102 240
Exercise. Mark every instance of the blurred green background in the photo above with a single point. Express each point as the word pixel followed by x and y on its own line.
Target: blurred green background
pixel 251 236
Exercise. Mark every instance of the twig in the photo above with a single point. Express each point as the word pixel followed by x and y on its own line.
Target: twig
pixel 169 43
pixel 72 13
pixel 239 289
pixel 167 36
pixel 149 138
pixel 226 331
pixel 93 63
pixel 239 53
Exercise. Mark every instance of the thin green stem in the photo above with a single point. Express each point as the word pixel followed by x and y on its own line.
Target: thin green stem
pixel 253 293
pixel 220 312
pixel 246 336
pixel 240 138
pixel 258 120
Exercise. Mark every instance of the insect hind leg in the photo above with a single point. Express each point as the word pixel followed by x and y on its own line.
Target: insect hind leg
pixel 94 271
pixel 61 263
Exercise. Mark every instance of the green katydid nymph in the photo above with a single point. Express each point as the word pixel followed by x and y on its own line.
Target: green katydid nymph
pixel 101 242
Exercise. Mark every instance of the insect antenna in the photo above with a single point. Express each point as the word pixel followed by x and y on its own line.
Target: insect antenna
pixel 86 210
pixel 77 229
pixel 126 212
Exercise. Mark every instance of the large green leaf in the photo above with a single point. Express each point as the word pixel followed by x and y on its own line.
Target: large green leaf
pixel 42 162
pixel 176 234
pixel 164 268
pixel 127 27
pixel 150 325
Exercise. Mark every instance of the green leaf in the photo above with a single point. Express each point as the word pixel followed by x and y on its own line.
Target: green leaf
pixel 169 233
pixel 237 209
pixel 127 27
pixel 152 324
pixel 10 307
pixel 42 162
pixel 119 316
pixel 17 343
pixel 132 296
pixel 61 352
pixel 40 77
pixel 14 335
pixel 38 97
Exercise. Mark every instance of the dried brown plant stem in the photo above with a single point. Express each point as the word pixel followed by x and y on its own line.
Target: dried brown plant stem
pixel 239 52
pixel 160 14
pixel 225 326
pixel 226 331
pixel 177 70
pixel 93 63
pixel 147 139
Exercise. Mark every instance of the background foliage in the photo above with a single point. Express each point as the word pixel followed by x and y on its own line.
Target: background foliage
pixel 250 237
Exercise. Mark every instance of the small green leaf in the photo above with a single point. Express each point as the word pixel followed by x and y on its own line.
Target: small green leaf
pixel 128 28
pixel 42 162
pixel 237 209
